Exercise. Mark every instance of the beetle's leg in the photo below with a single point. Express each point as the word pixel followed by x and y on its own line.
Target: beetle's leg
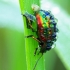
pixel 33 38
pixel 28 21
pixel 35 51
pixel 32 28
pixel 29 25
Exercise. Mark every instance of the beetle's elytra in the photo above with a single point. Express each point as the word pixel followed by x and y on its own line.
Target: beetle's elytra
pixel 46 28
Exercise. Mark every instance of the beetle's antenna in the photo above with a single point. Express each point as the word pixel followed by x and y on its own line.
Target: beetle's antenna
pixel 37 62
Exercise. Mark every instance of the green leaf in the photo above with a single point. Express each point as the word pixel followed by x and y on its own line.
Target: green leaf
pixel 31 44
pixel 12 50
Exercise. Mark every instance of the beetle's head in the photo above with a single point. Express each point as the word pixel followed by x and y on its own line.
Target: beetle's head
pixel 35 7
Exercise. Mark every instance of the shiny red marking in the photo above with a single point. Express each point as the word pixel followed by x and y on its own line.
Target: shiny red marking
pixel 40 28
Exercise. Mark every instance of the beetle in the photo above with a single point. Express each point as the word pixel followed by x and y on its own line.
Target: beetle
pixel 46 28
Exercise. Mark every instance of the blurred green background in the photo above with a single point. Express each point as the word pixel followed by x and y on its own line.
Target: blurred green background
pixel 12 43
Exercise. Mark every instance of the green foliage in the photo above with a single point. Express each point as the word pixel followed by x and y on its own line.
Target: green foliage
pixel 12 50
pixel 30 44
